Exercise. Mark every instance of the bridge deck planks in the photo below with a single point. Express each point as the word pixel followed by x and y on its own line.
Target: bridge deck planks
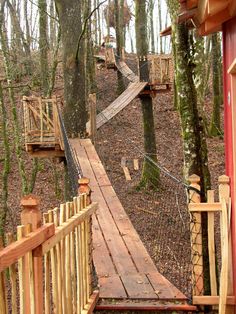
pixel 119 104
pixel 124 268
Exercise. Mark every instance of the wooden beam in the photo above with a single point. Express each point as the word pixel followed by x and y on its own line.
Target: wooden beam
pixel 90 306
pixel 191 4
pixel 205 207
pixel 202 10
pixel 212 300
pixel 13 252
pixel 215 21
pixel 65 228
pixel 232 68
pixel 46 153
pixel 216 6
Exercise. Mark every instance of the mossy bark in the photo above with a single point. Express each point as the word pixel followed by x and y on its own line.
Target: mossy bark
pixel 43 45
pixel 150 173
pixel 215 129
pixel 195 147
pixel 6 166
pixel 119 16
pixel 75 114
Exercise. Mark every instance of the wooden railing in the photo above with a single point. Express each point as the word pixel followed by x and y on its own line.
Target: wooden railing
pixel 160 69
pixel 218 216
pixel 50 264
pixel 41 124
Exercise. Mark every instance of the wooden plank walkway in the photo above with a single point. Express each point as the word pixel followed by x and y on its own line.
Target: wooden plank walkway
pixel 119 104
pixel 124 268
pixel 126 71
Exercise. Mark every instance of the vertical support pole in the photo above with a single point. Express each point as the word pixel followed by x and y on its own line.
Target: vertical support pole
pixel 224 193
pixel 93 117
pixel 211 244
pixel 31 215
pixel 196 239
pixel 84 188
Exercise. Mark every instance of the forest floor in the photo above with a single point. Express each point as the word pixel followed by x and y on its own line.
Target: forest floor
pixel 122 137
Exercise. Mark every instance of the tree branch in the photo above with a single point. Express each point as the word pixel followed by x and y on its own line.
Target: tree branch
pixel 85 25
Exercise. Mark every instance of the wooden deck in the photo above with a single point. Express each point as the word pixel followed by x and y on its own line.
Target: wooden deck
pixel 126 273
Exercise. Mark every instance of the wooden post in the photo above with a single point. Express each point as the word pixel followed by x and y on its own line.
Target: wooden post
pixel 196 239
pixel 84 188
pixel 93 117
pixel 31 215
pixel 224 193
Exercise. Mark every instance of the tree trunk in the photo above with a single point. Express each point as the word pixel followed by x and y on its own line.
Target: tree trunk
pixel 215 129
pixel 151 22
pixel 75 114
pixel 43 45
pixel 6 167
pixel 150 173
pixel 119 8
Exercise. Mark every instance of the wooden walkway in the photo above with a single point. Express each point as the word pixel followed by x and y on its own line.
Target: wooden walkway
pixel 119 104
pixel 126 273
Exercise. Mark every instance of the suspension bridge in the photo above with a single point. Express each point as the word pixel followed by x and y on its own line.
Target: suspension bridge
pixel 127 278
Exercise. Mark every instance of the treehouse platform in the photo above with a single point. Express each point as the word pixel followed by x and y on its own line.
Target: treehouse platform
pixel 42 131
pixel 128 279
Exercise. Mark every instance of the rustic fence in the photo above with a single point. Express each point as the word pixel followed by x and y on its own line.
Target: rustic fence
pixel 219 245
pixel 41 124
pixel 49 268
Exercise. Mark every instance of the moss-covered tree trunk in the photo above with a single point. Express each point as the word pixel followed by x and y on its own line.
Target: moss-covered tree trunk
pixel 119 17
pixel 193 132
pixel 215 129
pixel 75 115
pixel 43 45
pixel 150 173
pixel 6 166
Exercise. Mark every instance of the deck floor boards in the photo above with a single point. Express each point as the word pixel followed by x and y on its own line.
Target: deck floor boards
pixel 125 269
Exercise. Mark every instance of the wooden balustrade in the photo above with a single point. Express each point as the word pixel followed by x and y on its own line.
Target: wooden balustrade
pixel 42 131
pixel 221 296
pixel 49 264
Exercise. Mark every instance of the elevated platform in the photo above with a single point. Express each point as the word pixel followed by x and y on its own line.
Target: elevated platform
pixel 128 278
pixel 42 130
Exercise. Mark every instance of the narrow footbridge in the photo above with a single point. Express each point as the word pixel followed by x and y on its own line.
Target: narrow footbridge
pixel 127 276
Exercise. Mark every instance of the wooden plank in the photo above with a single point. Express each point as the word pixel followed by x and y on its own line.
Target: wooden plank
pixel 224 259
pixel 66 227
pixel 111 288
pixel 127 174
pixel 164 289
pixel 96 164
pixel 83 161
pixel 211 245
pixel 138 287
pixel 123 162
pixel 216 6
pixel 136 164
pixel 205 207
pixel 120 103
pixel 102 259
pixel 12 253
pixel 118 250
pixel 139 254
pixel 146 307
pixel 212 300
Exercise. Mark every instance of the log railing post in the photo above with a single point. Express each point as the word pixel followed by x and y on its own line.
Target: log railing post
pixel 224 193
pixel 196 239
pixel 31 215
pixel 84 188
